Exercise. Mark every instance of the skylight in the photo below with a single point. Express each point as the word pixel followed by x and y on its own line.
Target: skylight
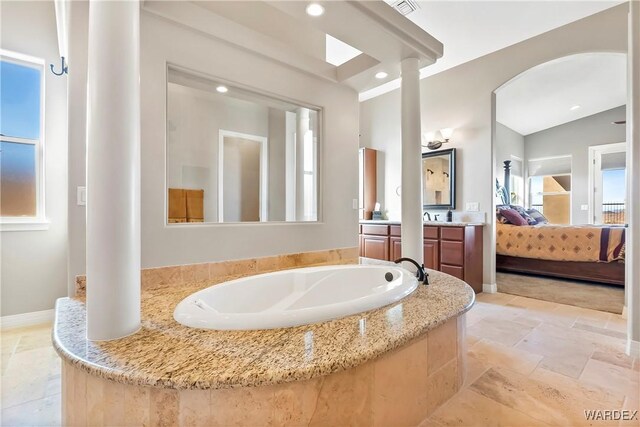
pixel 338 52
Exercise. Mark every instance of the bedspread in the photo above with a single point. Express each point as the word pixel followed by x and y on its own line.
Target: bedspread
pixel 586 243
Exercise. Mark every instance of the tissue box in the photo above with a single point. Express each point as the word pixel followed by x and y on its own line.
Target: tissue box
pixel 377 215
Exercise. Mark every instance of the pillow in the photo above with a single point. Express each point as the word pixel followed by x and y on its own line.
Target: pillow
pixel 537 215
pixel 513 217
pixel 530 220
pixel 499 217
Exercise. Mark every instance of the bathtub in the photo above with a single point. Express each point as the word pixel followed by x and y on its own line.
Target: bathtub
pixel 294 297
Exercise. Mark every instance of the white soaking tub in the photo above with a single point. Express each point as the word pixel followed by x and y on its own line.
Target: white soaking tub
pixel 295 297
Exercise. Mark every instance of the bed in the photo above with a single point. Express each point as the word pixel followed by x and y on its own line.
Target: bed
pixel 583 252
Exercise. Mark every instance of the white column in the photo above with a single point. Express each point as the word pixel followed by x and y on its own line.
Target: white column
pixel 113 170
pixel 633 182
pixel 302 127
pixel 412 244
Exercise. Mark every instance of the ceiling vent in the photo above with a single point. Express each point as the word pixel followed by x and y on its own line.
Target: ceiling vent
pixel 405 7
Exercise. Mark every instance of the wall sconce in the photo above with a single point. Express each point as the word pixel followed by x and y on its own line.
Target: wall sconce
pixel 432 142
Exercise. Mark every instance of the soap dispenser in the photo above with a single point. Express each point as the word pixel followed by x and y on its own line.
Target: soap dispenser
pixel 449 215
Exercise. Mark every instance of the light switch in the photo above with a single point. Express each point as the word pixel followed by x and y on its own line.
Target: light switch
pixel 82 196
pixel 584 207
pixel 355 204
pixel 472 207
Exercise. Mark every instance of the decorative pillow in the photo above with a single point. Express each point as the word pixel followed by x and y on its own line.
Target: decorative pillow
pixel 499 217
pixel 513 216
pixel 537 215
pixel 530 220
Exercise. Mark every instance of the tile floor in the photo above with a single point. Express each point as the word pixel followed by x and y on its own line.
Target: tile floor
pixel 530 363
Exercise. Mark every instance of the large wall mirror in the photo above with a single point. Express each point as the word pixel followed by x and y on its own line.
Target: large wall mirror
pixel 439 179
pixel 235 155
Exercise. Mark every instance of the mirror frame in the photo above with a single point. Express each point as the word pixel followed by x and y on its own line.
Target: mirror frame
pixel 451 152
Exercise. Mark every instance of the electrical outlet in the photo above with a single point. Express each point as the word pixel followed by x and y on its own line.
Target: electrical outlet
pixel 82 196
pixel 584 207
pixel 472 207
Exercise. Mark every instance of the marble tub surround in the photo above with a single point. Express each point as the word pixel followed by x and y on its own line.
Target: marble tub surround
pixel 166 354
pixel 190 273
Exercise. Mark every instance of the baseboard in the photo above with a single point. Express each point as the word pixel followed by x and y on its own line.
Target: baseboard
pixel 26 319
pixel 633 348
pixel 490 288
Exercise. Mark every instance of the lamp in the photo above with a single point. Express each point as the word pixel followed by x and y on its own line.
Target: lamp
pixel 433 142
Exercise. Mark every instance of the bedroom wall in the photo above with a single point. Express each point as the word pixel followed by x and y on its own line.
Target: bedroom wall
pixel 508 143
pixel 462 98
pixel 575 138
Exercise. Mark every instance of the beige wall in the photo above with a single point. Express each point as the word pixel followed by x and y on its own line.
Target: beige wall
pixel 163 42
pixel 34 263
pixel 462 98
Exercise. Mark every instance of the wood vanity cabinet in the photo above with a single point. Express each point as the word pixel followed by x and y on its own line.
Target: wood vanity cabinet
pixel 374 242
pixel 451 249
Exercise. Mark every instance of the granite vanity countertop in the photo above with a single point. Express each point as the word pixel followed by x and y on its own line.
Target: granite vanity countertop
pixel 167 354
pixel 438 223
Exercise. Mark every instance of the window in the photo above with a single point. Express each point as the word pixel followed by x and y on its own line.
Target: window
pixel 21 146
pixel 550 188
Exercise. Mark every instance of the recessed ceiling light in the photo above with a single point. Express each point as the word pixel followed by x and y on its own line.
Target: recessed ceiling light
pixel 381 75
pixel 222 89
pixel 575 107
pixel 314 9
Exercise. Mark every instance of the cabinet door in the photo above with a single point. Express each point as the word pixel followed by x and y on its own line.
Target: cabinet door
pixel 395 244
pixel 453 270
pixel 430 249
pixel 376 247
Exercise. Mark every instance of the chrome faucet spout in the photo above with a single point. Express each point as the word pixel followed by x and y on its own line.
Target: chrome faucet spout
pixel 421 274
pixel 427 214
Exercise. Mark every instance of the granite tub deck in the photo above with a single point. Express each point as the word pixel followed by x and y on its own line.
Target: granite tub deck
pixel 402 360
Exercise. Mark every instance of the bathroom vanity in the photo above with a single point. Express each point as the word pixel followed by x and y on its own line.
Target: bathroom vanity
pixel 454 248
pixel 392 365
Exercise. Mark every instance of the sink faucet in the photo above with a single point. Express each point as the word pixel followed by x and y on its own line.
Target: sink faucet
pixel 427 214
pixel 421 274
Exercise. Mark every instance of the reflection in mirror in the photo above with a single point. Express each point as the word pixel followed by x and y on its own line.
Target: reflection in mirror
pixel 438 179
pixel 234 155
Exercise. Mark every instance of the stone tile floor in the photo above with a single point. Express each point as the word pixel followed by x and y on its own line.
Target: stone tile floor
pixel 529 363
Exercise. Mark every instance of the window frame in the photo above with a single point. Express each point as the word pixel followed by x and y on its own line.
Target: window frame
pixel 39 221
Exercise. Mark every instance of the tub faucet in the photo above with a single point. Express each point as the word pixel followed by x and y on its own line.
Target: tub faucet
pixel 427 214
pixel 421 274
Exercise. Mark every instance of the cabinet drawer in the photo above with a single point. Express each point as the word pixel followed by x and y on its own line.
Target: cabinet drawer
pixel 376 247
pixel 394 230
pixel 451 253
pixel 430 232
pixel 452 233
pixel 375 229
pixel 453 270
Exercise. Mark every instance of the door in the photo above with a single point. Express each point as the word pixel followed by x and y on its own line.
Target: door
pixel 376 247
pixel 608 184
pixel 430 249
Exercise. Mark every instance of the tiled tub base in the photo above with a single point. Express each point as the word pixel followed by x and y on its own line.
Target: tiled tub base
pixel 403 387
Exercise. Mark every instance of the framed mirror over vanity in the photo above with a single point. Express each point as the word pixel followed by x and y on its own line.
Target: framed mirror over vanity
pixel 439 179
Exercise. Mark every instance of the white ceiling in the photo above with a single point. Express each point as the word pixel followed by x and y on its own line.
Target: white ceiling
pixel 543 97
pixel 471 29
